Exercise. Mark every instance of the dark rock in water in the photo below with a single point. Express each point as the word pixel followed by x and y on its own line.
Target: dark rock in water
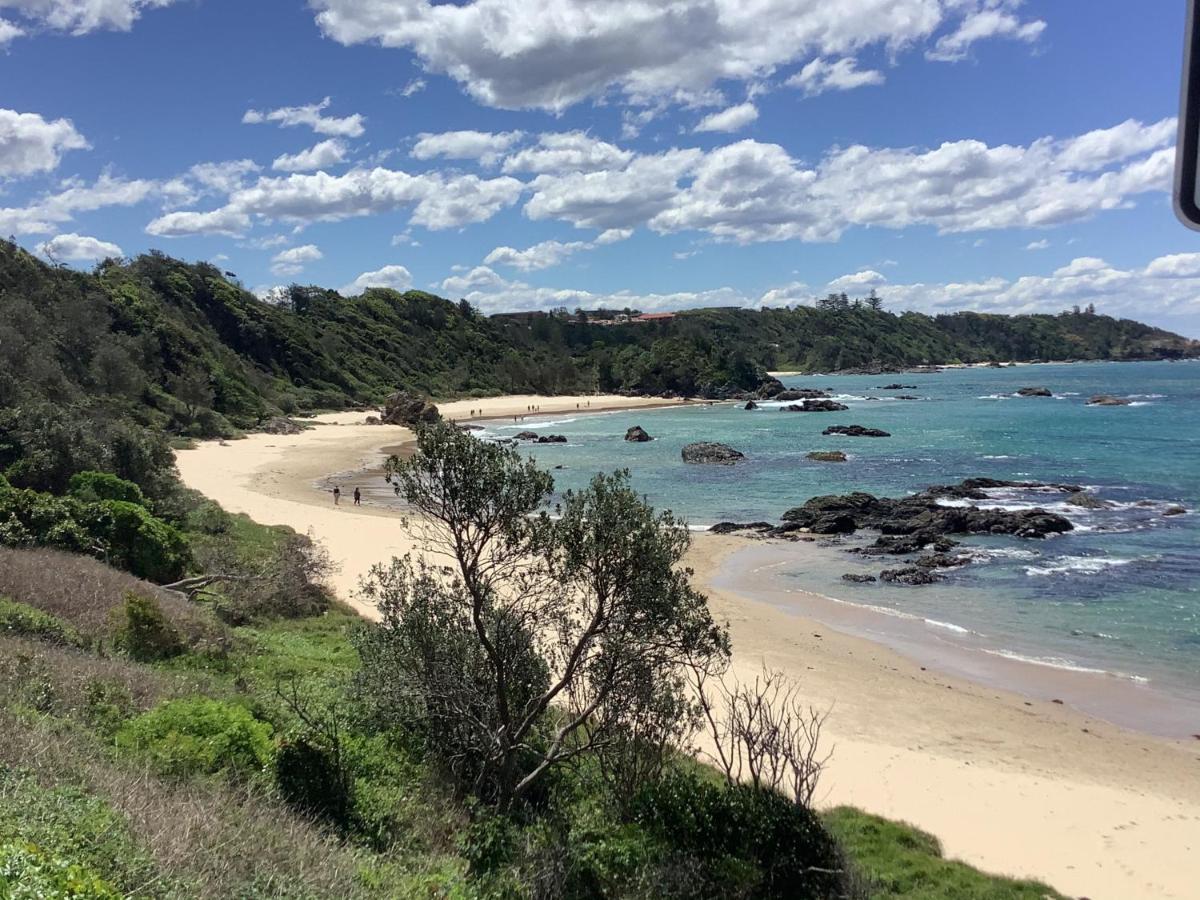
pixel 637 434
pixel 942 561
pixel 827 456
pixel 551 439
pixel 859 579
pixel 467 426
pixel 801 394
pixel 1034 392
pixel 911 524
pixel 906 397
pixel 711 453
pixel 280 425
pixel 405 408
pixel 1108 400
pixel 769 387
pixel 1084 500
pixel 856 431
pixel 815 406
pixel 750 404
pixel 731 527
pixel 910 575
pixel 526 435
pixel 977 488
pixel 896 386
pixel 1174 510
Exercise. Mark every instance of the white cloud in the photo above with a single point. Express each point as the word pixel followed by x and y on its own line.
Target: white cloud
pixel 438 201
pixel 486 147
pixel 820 76
pixel 735 118
pixel 565 152
pixel 74 196
pixel 539 256
pixel 78 248
pixel 414 86
pixel 858 281
pixel 1175 265
pixel 551 55
pixel 395 277
pixel 478 277
pixel 997 19
pixel 1105 146
pixel 30 144
pixel 79 16
pixel 225 221
pixel 613 235
pixel 1037 245
pixel 311 117
pixel 318 156
pixel 9 31
pixel 293 260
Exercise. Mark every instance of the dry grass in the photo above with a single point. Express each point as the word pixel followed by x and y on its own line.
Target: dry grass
pixel 84 592
pixel 206 838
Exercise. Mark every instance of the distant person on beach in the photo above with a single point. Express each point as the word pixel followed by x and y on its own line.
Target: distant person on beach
pixel 337 496
pixel 357 497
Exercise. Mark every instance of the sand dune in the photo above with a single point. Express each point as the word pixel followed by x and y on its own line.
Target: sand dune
pixel 1011 785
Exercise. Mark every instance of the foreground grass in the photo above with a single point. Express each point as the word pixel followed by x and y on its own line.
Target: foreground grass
pixel 898 860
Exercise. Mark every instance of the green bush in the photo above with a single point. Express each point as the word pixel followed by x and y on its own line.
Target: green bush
pixel 741 840
pixel 92 487
pixel 143 631
pixel 198 736
pixel 28 621
pixel 28 873
pixel 311 780
pixel 138 542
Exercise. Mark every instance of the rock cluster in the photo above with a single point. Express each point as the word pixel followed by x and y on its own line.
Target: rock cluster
pixel 801 394
pixel 814 406
pixel 280 425
pixel 1108 400
pixel 1034 392
pixel 856 431
pixel 711 453
pixel 405 408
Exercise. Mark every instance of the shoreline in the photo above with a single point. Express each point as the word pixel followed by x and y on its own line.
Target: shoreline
pixel 1087 806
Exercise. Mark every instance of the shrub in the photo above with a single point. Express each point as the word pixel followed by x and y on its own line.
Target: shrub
pixel 742 840
pixel 310 779
pixel 28 621
pixel 92 487
pixel 143 631
pixel 197 736
pixel 138 542
pixel 28 873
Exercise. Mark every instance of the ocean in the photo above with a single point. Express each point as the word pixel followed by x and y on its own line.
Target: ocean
pixel 1117 598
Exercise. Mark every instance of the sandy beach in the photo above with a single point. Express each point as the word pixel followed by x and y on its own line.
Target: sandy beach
pixel 1010 784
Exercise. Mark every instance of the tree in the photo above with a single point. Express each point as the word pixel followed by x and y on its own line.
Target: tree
pixel 874 301
pixel 546 639
pixel 194 390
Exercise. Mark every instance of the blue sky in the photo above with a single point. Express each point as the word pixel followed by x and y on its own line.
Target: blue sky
pixel 951 154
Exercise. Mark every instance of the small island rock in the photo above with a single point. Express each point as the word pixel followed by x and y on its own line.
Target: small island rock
pixel 1108 400
pixel 711 453
pixel 637 434
pixel 827 456
pixel 856 431
pixel 1034 392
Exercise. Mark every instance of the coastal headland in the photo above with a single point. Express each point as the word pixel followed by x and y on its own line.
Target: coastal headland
pixel 1008 783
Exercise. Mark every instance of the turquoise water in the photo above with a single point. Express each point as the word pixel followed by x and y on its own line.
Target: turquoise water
pixel 1120 594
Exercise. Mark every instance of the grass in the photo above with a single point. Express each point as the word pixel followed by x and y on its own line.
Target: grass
pixel 898 860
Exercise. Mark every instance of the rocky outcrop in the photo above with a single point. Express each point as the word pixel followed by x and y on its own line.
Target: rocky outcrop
pixel 815 406
pixel 769 387
pixel 405 408
pixel 896 386
pixel 551 439
pixel 1084 500
pixel 910 575
pixel 826 456
pixel 801 394
pixel 372 420
pixel 637 435
pixel 526 436
pixel 856 431
pixel 1108 400
pixel 912 524
pixel 750 404
pixel 1174 510
pixel 1034 392
pixel 733 527
pixel 859 579
pixel 711 453
pixel 280 425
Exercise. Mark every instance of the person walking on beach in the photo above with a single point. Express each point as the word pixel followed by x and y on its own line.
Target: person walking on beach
pixel 337 495
pixel 357 497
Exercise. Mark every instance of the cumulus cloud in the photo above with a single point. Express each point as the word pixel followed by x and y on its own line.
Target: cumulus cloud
pixel 9 31
pixel 228 222
pixel 437 200
pixel 735 118
pixel 484 146
pixel 551 55
pixel 74 196
pixel 311 116
pixel 78 248
pixel 570 151
pixel 821 75
pixel 539 256
pixel 293 260
pixel 858 281
pixel 77 16
pixel 30 144
pixel 396 277
pixel 993 20
pixel 318 156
